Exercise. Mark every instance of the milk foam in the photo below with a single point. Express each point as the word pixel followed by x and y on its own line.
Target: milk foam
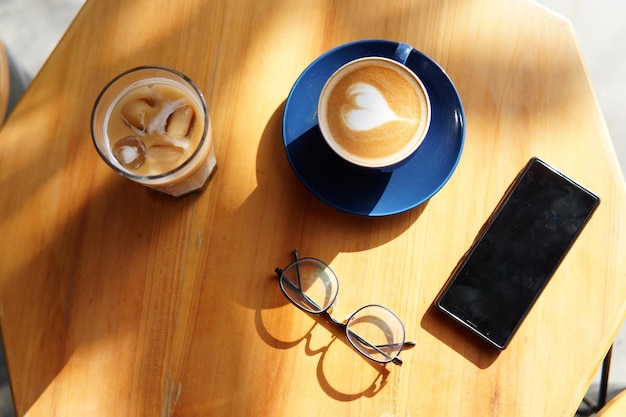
pixel 366 108
pixel 157 124
pixel 129 154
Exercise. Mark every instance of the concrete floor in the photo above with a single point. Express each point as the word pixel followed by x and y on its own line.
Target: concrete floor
pixel 32 28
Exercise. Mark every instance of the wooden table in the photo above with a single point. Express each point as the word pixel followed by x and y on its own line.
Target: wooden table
pixel 117 301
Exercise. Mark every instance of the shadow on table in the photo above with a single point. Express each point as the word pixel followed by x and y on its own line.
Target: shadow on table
pixel 307 224
pixel 459 339
pixel 375 375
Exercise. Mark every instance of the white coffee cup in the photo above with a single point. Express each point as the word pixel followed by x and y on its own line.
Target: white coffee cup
pixel 374 112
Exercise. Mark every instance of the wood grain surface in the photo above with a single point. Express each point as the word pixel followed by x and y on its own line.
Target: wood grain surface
pixel 118 301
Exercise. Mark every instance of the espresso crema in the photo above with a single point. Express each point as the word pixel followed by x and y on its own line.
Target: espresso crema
pixel 374 112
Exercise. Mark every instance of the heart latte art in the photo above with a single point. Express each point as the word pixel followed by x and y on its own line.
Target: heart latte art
pixel 367 108
pixel 374 112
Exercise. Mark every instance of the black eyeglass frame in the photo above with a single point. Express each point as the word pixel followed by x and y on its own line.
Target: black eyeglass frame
pixel 325 312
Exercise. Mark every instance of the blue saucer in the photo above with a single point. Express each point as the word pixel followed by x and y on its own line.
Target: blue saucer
pixel 366 191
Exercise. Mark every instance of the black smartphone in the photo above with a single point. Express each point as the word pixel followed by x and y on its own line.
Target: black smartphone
pixel 518 249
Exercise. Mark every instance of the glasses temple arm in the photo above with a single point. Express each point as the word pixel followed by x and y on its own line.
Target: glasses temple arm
pixel 377 348
pixel 308 299
pixel 295 256
pixel 279 271
pixel 408 344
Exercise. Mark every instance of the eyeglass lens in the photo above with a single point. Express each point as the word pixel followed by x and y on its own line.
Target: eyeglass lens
pixel 376 332
pixel 310 284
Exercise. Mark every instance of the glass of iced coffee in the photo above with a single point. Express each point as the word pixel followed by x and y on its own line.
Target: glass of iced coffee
pixel 151 125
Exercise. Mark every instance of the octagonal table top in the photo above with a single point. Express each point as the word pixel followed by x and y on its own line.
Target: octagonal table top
pixel 117 300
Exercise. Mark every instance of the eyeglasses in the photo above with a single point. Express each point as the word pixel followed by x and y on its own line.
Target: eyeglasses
pixel 374 331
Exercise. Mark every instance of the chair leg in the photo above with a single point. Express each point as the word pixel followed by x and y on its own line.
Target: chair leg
pixel 604 379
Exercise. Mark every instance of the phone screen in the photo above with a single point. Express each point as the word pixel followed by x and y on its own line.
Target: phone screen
pixel 517 251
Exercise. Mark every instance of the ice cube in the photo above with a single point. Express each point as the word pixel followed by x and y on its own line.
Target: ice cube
pixel 165 154
pixel 130 151
pixel 180 122
pixel 136 113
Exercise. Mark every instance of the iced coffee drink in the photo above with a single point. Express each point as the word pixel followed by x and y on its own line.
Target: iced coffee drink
pixel 151 125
